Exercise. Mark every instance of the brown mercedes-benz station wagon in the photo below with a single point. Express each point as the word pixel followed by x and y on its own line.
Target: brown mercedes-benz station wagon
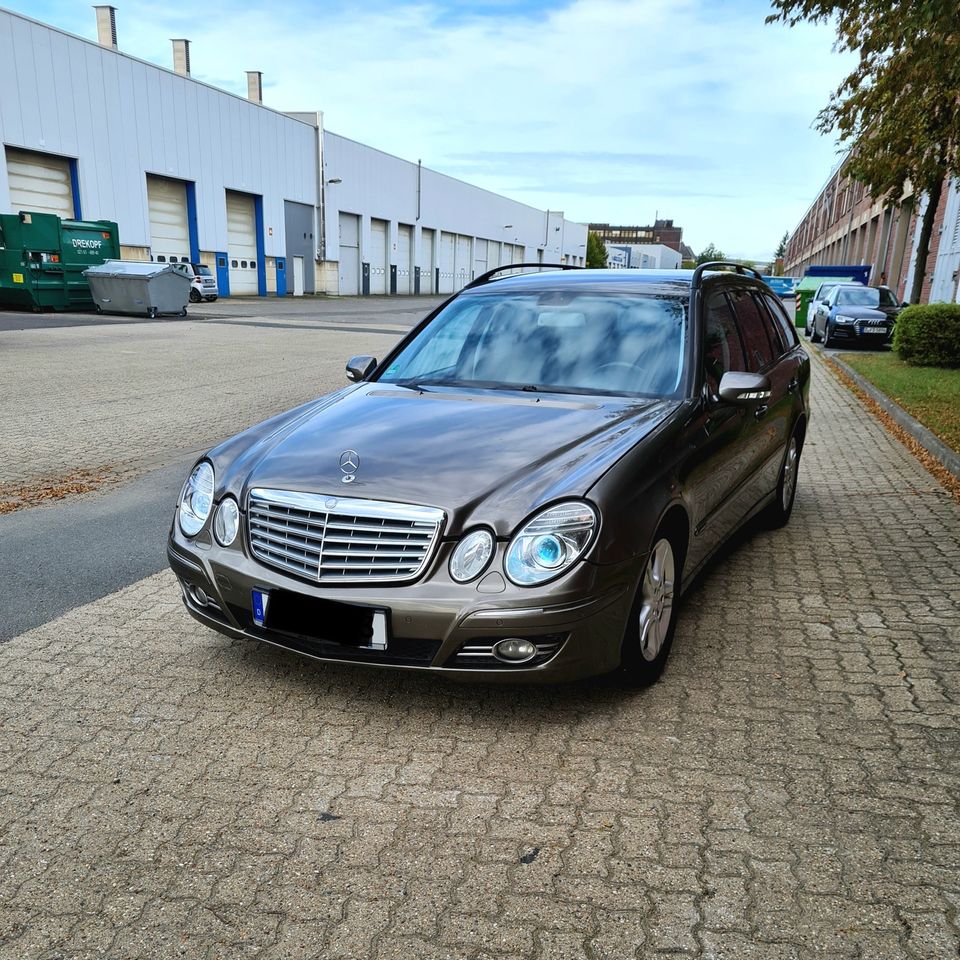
pixel 520 490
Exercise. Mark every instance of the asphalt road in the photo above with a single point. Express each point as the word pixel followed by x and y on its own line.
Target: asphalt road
pixel 57 557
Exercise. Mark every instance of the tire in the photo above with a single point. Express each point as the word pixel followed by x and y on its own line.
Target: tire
pixel 152 313
pixel 778 513
pixel 195 296
pixel 99 308
pixel 814 336
pixel 652 621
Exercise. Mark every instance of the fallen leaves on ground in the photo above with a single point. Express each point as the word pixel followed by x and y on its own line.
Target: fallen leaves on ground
pixel 33 493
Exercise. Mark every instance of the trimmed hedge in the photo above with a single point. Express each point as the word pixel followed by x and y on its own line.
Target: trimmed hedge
pixel 929 335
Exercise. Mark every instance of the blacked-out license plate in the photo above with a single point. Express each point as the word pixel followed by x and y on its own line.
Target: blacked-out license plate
pixel 344 623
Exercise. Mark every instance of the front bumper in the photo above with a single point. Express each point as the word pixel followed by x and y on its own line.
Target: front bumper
pixel 578 620
pixel 862 332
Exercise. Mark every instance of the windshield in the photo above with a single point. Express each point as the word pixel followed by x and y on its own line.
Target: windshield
pixel 866 297
pixel 558 341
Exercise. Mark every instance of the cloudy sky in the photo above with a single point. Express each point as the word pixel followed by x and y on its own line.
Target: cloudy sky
pixel 610 110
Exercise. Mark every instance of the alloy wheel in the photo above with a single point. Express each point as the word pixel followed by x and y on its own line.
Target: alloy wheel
pixel 657 595
pixel 789 485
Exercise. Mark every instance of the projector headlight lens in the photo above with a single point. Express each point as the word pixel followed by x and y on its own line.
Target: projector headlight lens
pixel 551 542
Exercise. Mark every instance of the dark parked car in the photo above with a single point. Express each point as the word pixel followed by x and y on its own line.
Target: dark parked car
pixel 852 311
pixel 521 489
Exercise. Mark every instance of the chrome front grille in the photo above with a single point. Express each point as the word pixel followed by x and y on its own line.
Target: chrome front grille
pixel 341 540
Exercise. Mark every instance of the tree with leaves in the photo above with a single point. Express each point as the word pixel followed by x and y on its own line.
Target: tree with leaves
pixel 899 108
pixel 781 250
pixel 596 251
pixel 708 253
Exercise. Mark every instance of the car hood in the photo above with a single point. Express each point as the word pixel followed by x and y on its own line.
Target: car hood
pixel 859 313
pixel 484 456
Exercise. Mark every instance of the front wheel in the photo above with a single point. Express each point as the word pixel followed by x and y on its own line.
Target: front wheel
pixel 649 633
pixel 778 513
pixel 814 336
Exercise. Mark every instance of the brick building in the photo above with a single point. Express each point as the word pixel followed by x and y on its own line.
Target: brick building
pixel 662 231
pixel 844 225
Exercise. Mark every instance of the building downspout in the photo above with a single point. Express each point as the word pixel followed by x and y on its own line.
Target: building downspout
pixel 419 175
pixel 321 228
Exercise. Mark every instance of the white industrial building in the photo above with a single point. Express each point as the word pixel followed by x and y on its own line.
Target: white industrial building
pixel 271 200
pixel 643 256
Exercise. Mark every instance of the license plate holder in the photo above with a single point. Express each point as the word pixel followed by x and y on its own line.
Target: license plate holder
pixel 873 330
pixel 316 618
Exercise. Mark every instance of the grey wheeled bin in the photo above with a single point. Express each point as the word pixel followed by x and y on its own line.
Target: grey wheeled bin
pixel 132 286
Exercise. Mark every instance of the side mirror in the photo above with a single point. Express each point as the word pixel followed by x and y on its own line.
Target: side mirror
pixel 359 368
pixel 744 389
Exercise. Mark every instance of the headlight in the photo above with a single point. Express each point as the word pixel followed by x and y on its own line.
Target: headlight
pixel 842 319
pixel 226 522
pixel 197 499
pixel 471 556
pixel 549 543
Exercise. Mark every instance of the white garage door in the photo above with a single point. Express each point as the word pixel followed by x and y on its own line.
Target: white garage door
pixel 404 259
pixel 39 183
pixel 428 239
pixel 349 254
pixel 518 253
pixel 378 256
pixel 169 234
pixel 463 265
pixel 493 254
pixel 447 263
pixel 479 257
pixel 242 244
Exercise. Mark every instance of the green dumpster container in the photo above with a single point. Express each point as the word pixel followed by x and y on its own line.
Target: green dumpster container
pixel 42 259
pixel 805 290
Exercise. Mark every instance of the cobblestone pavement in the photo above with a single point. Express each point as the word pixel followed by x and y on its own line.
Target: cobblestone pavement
pixel 789 789
pixel 119 399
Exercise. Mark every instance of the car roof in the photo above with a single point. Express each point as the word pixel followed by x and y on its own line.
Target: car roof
pixel 624 280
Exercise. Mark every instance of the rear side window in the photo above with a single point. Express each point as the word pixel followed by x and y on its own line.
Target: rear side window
pixel 722 351
pixel 781 322
pixel 753 326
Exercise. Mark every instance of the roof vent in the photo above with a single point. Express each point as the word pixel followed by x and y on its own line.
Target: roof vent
pixel 255 86
pixel 181 57
pixel 107 26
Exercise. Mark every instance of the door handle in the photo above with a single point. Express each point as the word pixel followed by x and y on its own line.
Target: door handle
pixel 761 411
pixel 793 384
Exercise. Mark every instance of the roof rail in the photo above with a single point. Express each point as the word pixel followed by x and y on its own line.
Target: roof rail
pixel 714 264
pixel 490 274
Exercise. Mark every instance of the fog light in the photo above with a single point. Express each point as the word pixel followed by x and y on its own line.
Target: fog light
pixel 514 651
pixel 199 596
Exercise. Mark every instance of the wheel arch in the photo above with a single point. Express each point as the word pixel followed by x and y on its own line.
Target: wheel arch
pixel 676 522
